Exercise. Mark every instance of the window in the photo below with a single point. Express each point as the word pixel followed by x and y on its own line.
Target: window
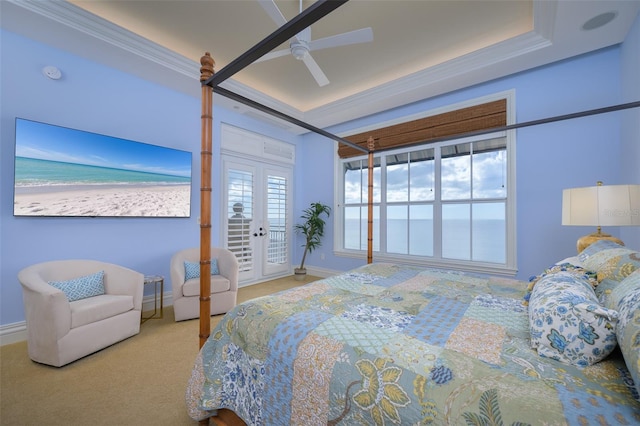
pixel 441 204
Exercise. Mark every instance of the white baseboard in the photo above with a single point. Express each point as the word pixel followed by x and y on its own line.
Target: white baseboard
pixel 147 301
pixel 13 333
pixel 321 272
pixel 17 331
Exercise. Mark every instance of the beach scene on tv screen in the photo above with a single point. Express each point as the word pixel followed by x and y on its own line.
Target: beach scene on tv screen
pixel 67 172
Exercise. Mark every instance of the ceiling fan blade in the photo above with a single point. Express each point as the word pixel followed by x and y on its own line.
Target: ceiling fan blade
pixel 272 10
pixel 363 35
pixel 315 70
pixel 273 55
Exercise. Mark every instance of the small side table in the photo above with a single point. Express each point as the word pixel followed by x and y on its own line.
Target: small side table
pixel 155 280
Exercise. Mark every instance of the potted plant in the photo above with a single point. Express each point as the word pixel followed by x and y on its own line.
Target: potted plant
pixel 313 229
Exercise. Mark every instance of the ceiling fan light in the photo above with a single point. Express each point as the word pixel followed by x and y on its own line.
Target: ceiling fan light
pixel 299 51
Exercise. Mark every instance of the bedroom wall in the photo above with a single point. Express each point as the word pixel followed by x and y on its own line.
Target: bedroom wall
pixel 630 141
pixel 98 99
pixel 549 158
pixel 103 100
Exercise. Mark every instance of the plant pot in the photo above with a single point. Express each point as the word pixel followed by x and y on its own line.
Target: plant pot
pixel 300 274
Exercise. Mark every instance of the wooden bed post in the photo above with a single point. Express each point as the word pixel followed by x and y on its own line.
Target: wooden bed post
pixel 206 71
pixel 370 147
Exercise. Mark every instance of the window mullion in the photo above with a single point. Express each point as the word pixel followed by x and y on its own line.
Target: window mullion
pixel 470 201
pixel 363 202
pixel 383 205
pixel 437 206
pixel 407 207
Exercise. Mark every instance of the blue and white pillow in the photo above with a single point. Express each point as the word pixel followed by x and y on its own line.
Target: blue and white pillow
pixel 192 269
pixel 560 267
pixel 81 287
pixel 587 255
pixel 626 299
pixel 567 323
pixel 602 256
pixel 612 263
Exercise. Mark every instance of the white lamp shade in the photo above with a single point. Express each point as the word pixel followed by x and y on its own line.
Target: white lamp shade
pixel 610 205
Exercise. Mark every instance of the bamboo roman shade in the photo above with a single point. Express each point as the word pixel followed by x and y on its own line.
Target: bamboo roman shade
pixel 478 117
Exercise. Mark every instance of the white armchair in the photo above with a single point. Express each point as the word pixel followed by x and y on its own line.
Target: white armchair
pixel 186 292
pixel 60 331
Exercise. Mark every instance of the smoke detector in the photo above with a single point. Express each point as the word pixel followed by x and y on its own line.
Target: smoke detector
pixel 52 72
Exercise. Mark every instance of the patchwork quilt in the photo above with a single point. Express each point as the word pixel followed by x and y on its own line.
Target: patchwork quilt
pixel 393 344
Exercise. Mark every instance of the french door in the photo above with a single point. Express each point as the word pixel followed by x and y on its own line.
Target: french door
pixel 258 209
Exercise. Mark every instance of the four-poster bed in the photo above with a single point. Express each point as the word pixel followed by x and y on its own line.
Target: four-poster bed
pixel 384 342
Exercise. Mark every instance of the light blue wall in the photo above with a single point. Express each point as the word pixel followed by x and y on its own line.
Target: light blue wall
pixel 550 157
pixel 630 81
pixel 98 99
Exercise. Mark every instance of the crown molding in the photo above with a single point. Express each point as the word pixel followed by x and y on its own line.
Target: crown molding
pixel 78 19
pixel 438 79
pixel 426 83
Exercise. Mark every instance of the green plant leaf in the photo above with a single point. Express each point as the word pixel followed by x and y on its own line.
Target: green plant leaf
pixel 312 227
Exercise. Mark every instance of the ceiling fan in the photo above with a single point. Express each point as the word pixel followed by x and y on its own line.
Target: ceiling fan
pixel 301 44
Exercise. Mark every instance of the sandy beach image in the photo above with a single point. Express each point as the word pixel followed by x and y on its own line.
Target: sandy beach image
pixel 67 172
pixel 158 201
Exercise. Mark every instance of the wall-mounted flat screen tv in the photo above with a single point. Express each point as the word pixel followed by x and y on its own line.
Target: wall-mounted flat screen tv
pixel 66 172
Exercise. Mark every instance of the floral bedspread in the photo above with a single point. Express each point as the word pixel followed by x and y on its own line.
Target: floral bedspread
pixel 391 344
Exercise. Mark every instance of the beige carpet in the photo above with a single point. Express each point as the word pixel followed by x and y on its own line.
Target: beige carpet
pixel 139 381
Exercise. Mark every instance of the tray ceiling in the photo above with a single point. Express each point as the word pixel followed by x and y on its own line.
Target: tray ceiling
pixel 419 49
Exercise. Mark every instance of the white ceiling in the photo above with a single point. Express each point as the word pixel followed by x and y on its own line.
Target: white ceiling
pixel 421 48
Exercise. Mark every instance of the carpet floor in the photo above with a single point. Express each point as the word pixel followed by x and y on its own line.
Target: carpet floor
pixel 139 381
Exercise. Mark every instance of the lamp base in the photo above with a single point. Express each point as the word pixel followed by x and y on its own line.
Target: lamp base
pixel 587 240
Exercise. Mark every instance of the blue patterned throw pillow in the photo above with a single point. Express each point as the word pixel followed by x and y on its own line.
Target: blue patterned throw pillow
pixel 612 263
pixel 192 269
pixel 626 299
pixel 596 248
pixel 81 287
pixel 567 323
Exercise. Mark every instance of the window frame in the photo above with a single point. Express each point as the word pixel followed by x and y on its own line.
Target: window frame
pixel 509 268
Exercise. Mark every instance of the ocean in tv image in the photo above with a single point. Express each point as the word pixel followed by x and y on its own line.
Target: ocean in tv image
pixel 66 172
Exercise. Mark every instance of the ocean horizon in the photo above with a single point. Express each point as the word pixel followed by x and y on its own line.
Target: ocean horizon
pixel 37 173
pixel 488 239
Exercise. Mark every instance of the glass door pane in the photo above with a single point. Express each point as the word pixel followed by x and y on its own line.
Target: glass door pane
pixel 240 213
pixel 258 213
pixel 277 208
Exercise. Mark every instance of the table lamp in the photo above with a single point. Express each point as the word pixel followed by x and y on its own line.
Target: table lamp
pixel 601 205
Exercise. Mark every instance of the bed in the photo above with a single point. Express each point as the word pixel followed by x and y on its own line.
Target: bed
pixel 396 344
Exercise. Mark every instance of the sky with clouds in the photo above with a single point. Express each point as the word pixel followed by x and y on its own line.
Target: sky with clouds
pixel 55 143
pixel 485 172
